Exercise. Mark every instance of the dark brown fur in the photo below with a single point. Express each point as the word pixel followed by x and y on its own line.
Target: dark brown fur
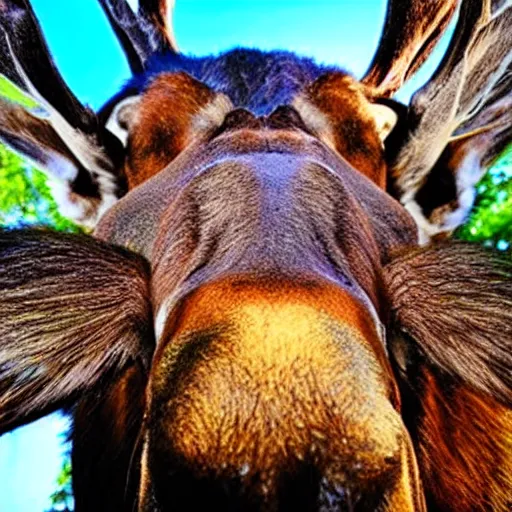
pixel 164 123
pixel 341 99
pixel 452 303
pixel 81 312
pixel 455 300
pixel 464 447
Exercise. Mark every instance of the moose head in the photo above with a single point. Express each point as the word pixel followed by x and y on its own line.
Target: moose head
pixel 269 313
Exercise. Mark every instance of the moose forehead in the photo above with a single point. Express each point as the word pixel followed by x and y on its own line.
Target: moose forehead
pixel 194 150
pixel 180 95
pixel 252 79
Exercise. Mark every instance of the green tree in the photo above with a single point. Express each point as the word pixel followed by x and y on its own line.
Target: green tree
pixel 25 198
pixel 491 220
pixel 62 498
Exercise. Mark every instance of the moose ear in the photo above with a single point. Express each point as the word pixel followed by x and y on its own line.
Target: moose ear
pixel 58 134
pixel 452 302
pixel 75 312
pixel 451 339
pixel 123 117
pixel 385 119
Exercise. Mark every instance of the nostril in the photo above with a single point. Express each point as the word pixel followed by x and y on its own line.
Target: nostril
pixel 303 489
pixel 186 490
pixel 308 489
pixel 299 490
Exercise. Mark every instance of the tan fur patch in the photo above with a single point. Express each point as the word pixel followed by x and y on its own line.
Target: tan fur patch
pixel 278 375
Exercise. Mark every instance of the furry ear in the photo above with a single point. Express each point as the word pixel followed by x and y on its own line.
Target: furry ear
pixel 75 311
pixel 385 119
pixel 453 301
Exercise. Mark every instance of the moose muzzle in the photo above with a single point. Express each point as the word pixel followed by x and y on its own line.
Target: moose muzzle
pixel 274 395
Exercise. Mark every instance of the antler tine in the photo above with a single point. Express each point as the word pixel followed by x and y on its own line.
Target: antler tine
pixel 160 12
pixel 490 130
pixel 60 135
pixel 472 76
pixel 411 30
pixel 493 126
pixel 144 34
pixel 25 60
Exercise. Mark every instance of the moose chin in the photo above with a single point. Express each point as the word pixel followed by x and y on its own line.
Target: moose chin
pixel 269 313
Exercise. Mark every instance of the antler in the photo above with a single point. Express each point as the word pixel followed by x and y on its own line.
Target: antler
pixel 144 34
pixel 23 50
pixel 411 30
pixel 474 75
pixel 60 134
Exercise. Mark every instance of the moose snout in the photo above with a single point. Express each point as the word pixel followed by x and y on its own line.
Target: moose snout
pixel 275 400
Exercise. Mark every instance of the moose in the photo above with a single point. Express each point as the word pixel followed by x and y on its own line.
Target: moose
pixel 270 313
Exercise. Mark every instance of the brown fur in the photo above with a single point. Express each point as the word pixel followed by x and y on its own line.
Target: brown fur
pixel 451 310
pixel 270 386
pixel 100 319
pixel 464 448
pixel 251 377
pixel 341 99
pixel 455 301
pixel 164 124
pixel 107 444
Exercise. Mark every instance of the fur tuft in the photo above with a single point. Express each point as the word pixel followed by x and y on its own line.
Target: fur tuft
pixel 454 300
pixel 74 311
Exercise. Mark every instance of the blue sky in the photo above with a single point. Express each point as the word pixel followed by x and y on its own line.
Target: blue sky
pixel 343 32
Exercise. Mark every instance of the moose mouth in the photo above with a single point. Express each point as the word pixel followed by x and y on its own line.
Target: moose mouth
pixel 301 491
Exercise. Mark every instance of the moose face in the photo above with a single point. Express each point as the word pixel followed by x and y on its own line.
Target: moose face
pixel 253 324
pixel 271 311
